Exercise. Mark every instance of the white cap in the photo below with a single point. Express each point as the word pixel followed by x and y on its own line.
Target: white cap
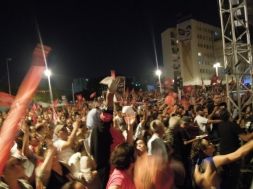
pixel 127 109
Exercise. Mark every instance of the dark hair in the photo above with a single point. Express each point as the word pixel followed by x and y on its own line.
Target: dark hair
pixel 122 156
pixel 141 138
pixel 224 114
pixel 39 127
pixel 197 151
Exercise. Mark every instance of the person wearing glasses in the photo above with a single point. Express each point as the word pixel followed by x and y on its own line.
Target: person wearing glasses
pixel 65 142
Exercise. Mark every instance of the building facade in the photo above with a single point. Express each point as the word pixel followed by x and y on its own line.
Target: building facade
pixel 190 50
pixel 80 84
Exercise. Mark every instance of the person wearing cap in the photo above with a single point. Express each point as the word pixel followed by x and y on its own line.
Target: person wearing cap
pixel 203 122
pixel 65 142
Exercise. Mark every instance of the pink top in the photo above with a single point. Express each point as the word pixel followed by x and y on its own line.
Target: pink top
pixel 119 178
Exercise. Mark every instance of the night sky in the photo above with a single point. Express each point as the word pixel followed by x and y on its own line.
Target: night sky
pixel 90 37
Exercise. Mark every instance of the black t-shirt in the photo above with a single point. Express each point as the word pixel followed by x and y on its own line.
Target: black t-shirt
pixel 216 116
pixel 229 141
pixel 56 180
pixel 186 149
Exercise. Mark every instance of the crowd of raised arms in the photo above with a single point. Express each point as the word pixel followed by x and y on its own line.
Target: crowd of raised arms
pixel 150 140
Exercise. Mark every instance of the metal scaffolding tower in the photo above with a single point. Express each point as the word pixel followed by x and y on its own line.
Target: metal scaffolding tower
pixel 236 51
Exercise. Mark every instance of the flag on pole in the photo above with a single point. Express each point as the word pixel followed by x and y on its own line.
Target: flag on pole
pixel 93 95
pixel 214 79
pixel 55 102
pixel 25 93
pixel 168 82
pixel 79 97
pixel 55 117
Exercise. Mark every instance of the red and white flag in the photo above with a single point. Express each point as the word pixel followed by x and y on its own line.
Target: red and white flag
pixel 79 97
pixel 93 95
pixel 25 93
pixel 168 82
pixel 6 99
pixel 55 102
pixel 214 79
pixel 188 89
pixel 55 117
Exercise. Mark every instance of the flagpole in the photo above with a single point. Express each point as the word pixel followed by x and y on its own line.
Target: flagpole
pixel 73 96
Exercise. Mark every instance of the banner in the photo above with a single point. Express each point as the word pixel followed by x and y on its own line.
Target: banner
pixel 184 30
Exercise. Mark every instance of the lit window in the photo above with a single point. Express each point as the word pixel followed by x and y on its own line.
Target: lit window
pixel 200 62
pixel 216 33
pixel 199 54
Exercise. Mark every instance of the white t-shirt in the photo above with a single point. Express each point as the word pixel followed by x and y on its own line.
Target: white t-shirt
pixel 65 154
pixel 201 122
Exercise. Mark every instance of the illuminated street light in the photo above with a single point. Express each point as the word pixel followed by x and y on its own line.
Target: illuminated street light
pixel 216 66
pixel 48 74
pixel 158 73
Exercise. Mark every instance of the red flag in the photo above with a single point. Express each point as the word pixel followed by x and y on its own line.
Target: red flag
pixel 127 92
pixel 113 73
pixel 6 99
pixel 34 107
pixel 25 93
pixel 168 82
pixel 93 95
pixel 79 97
pixel 214 79
pixel 55 116
pixel 184 102
pixel 55 102
pixel 188 89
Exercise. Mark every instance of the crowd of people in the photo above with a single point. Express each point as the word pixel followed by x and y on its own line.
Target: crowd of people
pixel 147 141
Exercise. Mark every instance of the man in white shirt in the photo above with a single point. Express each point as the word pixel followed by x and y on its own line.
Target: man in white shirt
pixel 203 122
pixel 64 143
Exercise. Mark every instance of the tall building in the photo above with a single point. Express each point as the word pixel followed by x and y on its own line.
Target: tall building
pixel 80 84
pixel 190 50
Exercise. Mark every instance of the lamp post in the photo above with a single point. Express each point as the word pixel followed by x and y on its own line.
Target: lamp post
pixel 158 73
pixel 9 83
pixel 48 74
pixel 216 66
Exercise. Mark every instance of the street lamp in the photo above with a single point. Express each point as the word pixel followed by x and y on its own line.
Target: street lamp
pixel 9 83
pixel 48 74
pixel 216 66
pixel 158 73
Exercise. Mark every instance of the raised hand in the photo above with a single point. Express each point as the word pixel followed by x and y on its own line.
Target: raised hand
pixel 130 118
